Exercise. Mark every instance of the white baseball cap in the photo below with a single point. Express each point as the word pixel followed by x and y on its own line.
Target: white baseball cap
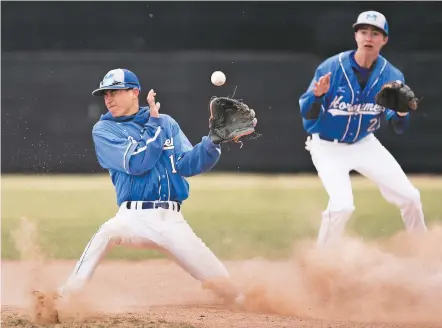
pixel 372 18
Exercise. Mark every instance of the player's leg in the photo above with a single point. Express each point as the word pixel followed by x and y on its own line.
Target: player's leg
pixel 112 232
pixel 101 242
pixel 122 229
pixel 193 255
pixel 377 164
pixel 333 164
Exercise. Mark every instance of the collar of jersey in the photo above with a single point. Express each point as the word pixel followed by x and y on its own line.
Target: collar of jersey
pixel 140 117
pixel 354 64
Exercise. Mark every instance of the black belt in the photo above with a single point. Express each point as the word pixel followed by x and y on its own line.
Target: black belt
pixel 174 206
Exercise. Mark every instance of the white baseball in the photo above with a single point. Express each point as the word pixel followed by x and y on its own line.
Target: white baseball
pixel 218 78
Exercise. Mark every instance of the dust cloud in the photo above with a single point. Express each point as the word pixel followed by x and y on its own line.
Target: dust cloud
pixel 394 280
pixel 26 242
pixel 40 290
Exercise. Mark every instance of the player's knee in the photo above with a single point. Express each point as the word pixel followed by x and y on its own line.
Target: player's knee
pixel 338 214
pixel 348 210
pixel 341 207
pixel 412 197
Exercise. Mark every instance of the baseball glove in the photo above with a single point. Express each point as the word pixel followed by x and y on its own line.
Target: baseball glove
pixel 397 96
pixel 230 120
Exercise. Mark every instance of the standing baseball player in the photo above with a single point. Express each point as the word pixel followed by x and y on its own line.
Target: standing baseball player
pixel 148 158
pixel 348 97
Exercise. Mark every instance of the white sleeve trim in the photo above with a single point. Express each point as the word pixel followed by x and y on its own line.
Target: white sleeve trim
pixel 132 142
pixel 148 141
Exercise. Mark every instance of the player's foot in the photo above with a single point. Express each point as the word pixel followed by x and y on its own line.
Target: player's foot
pixel 225 289
pixel 45 310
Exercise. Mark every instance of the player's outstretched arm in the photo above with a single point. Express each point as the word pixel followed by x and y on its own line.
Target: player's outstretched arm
pixel 197 159
pixel 133 156
pixel 229 121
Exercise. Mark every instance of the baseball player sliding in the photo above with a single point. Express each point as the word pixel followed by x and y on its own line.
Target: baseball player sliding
pixel 349 95
pixel 148 157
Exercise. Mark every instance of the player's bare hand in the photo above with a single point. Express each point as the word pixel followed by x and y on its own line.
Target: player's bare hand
pixel 322 86
pixel 153 106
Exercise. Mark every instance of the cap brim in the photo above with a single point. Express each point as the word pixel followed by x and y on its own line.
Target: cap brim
pixel 100 91
pixel 375 26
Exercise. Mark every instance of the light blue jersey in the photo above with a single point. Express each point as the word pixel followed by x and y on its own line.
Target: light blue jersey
pixel 148 158
pixel 349 113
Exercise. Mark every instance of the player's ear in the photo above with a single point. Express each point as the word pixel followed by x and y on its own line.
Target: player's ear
pixel 135 92
pixel 385 40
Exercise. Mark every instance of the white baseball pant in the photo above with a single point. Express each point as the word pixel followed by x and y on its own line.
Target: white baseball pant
pixel 334 161
pixel 163 229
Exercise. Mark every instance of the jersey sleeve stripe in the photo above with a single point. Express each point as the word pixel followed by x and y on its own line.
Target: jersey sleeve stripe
pixel 148 141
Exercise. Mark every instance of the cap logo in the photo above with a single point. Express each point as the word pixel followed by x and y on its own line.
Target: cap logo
pixel 372 17
pixel 111 79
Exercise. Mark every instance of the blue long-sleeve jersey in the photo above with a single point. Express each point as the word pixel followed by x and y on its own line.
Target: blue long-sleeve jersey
pixel 148 158
pixel 349 113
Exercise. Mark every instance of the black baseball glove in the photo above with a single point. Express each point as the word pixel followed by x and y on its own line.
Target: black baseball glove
pixel 397 96
pixel 230 120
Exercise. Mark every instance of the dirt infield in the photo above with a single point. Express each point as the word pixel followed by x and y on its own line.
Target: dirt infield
pixel 395 283
pixel 157 293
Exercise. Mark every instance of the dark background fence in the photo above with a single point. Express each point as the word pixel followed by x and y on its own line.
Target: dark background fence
pixel 55 53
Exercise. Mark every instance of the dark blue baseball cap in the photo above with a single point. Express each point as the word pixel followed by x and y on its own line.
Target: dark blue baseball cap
pixel 117 79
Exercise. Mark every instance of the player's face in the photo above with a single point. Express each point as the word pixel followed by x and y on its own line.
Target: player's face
pixel 120 102
pixel 370 39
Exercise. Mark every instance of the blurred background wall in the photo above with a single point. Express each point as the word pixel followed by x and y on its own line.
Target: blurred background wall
pixel 55 53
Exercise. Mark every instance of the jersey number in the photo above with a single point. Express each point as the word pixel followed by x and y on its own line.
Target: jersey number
pixel 172 162
pixel 373 123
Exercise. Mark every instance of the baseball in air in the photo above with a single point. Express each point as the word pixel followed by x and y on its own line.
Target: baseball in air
pixel 218 78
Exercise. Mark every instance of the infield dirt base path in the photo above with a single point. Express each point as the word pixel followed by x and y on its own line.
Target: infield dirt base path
pixel 158 293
